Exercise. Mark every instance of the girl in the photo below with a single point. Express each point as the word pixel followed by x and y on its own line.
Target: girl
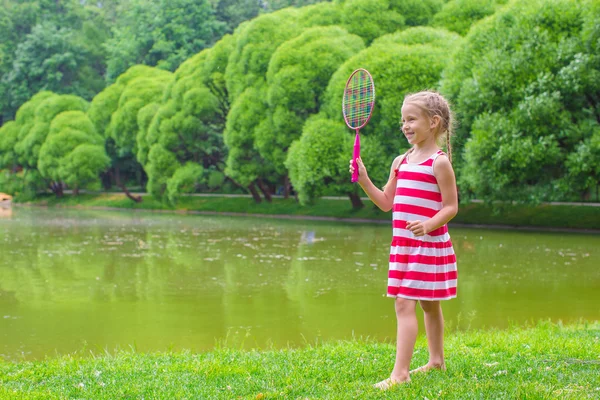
pixel 421 190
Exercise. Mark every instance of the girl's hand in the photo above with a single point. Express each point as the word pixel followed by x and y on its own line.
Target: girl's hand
pixel 362 171
pixel 418 228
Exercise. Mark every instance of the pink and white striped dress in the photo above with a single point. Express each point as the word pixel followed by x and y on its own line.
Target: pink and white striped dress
pixel 421 267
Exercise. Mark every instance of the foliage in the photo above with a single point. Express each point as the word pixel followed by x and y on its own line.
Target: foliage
pixel 73 152
pixel 321 14
pixel 160 167
pixel 35 121
pixel 521 114
pixel 298 74
pixel 9 135
pixel 417 12
pixel 319 159
pixel 142 85
pixel 103 105
pixel 370 19
pixel 435 37
pixel 160 33
pixel 48 45
pixel 191 117
pixel 243 162
pixel 255 42
pixel 185 180
pixel 459 15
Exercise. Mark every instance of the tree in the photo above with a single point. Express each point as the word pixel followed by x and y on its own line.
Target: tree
pixel 49 45
pixel 528 103
pixel 190 119
pixel 145 85
pixel 48 59
pixel 73 152
pixel 114 112
pixel 35 118
pixel 35 121
pixel 297 77
pixel 161 34
pixel 245 76
pixel 244 164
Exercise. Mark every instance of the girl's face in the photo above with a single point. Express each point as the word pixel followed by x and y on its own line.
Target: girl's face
pixel 416 125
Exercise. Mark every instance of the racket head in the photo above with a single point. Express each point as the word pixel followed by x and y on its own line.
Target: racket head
pixel 359 99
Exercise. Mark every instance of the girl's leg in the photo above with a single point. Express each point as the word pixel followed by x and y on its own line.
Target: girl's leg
pixel 434 329
pixel 405 338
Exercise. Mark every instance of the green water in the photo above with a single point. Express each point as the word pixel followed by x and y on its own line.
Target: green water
pixel 81 281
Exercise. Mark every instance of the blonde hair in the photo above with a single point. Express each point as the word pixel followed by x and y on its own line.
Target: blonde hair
pixel 434 104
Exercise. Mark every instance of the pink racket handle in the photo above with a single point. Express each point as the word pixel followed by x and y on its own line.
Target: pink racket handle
pixel 355 155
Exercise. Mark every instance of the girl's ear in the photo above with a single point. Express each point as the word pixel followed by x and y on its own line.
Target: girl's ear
pixel 435 121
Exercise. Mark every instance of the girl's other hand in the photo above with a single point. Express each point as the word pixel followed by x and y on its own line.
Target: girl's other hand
pixel 418 228
pixel 362 171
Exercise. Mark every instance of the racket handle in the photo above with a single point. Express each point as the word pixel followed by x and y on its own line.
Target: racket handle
pixel 355 155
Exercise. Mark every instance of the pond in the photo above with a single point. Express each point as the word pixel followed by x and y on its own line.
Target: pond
pixel 81 281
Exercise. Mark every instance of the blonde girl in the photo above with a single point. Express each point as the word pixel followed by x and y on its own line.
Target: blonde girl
pixel 421 192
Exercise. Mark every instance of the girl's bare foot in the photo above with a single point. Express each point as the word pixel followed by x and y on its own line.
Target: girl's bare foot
pixel 428 367
pixel 389 382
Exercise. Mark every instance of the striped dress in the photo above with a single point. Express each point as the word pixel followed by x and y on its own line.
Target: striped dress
pixel 421 267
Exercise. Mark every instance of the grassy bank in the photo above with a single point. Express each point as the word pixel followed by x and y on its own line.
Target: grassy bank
pixel 543 216
pixel 544 362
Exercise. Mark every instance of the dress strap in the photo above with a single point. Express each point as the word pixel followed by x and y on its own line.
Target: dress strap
pixel 397 170
pixel 437 153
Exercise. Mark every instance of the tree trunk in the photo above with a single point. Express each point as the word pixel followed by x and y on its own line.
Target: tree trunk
pixel 356 201
pixel 254 192
pixel 137 199
pixel 264 189
pixel 57 189
pixel 287 186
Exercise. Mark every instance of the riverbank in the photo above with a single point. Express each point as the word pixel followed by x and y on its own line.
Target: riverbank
pixel 542 217
pixel 547 361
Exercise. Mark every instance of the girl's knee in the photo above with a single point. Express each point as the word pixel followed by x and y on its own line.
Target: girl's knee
pixel 404 306
pixel 431 306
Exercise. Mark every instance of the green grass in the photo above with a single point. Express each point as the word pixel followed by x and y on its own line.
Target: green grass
pixel 547 361
pixel 542 216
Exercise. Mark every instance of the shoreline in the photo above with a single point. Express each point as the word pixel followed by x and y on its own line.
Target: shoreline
pixel 451 225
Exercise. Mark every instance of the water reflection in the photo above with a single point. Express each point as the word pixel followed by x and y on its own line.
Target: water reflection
pixel 163 281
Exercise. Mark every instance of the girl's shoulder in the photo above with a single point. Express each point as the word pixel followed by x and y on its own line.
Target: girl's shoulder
pixel 397 162
pixel 441 163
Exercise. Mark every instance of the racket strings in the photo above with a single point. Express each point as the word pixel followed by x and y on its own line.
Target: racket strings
pixel 358 100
